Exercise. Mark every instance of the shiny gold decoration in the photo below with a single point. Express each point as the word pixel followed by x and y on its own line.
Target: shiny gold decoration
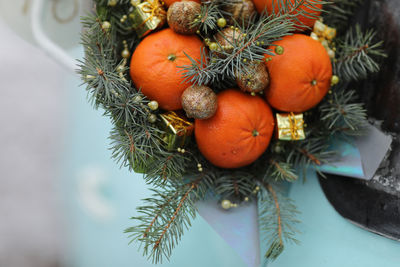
pixel 178 129
pixel 290 126
pixel 148 16
pixel 325 35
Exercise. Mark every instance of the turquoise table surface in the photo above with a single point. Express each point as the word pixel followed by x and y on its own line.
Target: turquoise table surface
pixel 99 198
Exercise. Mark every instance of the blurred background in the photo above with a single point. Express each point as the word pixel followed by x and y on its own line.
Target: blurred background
pixel 64 202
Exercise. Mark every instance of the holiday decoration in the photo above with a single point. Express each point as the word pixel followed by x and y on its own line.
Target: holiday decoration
pixel 154 66
pixel 226 40
pixel 307 76
pixel 255 79
pixel 148 16
pixel 240 11
pixel 189 65
pixel 181 15
pixel 290 126
pixel 237 134
pixel 199 102
pixel 177 128
pixel 324 35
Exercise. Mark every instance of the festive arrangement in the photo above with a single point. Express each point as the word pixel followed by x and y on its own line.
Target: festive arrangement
pixel 230 98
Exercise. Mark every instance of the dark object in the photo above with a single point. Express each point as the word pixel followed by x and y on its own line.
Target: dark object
pixel 375 204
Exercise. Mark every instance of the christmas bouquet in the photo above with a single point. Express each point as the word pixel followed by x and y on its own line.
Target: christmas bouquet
pixel 229 98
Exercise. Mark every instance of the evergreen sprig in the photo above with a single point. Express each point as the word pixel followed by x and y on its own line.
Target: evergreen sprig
pixel 358 54
pixel 277 219
pixel 166 215
pixel 249 45
pixel 209 14
pixel 342 114
pixel 339 13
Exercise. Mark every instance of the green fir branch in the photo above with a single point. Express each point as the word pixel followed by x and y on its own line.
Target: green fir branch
pixel 236 184
pixel 280 171
pixel 342 114
pixel 339 13
pixel 358 53
pixel 251 45
pixel 209 14
pixel 166 215
pixel 277 220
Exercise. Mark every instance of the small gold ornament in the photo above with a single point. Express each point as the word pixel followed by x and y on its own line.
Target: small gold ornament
pixel 112 2
pixel 334 80
pixel 148 16
pixel 290 127
pixel 153 105
pixel 152 118
pixel 221 22
pixel 178 128
pixel 106 25
pixel 226 204
pixel 325 35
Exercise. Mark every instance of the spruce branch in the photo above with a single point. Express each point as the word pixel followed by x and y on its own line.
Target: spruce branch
pixel 358 54
pixel 277 220
pixel 206 20
pixel 237 184
pixel 298 8
pixel 280 171
pixel 342 114
pixel 166 215
pixel 251 45
pixel 339 12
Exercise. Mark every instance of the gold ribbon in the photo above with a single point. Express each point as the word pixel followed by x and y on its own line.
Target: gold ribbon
pixel 155 9
pixel 294 127
pixel 179 125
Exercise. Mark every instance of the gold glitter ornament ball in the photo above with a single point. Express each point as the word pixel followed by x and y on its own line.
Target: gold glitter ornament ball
pixel 181 15
pixel 199 102
pixel 254 79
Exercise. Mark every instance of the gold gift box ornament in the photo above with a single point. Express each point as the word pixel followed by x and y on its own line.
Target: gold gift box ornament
pixel 325 35
pixel 147 16
pixel 290 126
pixel 178 129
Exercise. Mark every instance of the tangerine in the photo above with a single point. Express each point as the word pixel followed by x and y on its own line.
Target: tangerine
pixel 169 2
pixel 273 5
pixel 300 76
pixel 154 66
pixel 238 133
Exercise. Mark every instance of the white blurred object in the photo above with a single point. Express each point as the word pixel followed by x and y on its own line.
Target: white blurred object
pixel 53 25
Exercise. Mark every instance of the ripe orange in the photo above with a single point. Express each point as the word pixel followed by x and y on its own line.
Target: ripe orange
pixel 238 133
pixel 301 76
pixel 169 2
pixel 154 63
pixel 272 5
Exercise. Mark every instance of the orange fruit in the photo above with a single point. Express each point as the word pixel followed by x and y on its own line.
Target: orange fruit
pixel 300 76
pixel 169 2
pixel 272 5
pixel 238 133
pixel 154 66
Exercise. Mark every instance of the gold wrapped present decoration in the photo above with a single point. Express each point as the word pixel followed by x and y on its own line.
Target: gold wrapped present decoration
pixel 178 128
pixel 290 126
pixel 147 16
pixel 324 34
